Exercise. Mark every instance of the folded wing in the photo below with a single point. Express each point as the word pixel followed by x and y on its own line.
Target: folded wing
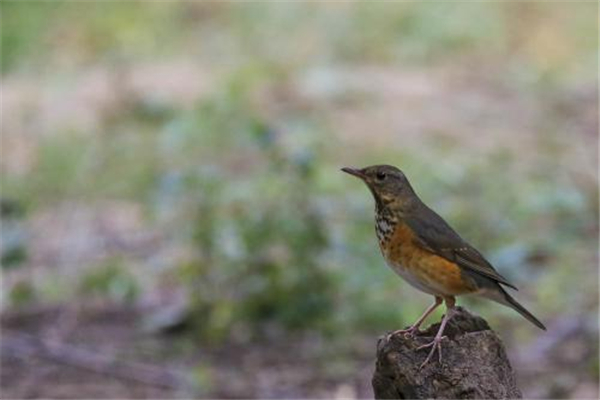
pixel 436 236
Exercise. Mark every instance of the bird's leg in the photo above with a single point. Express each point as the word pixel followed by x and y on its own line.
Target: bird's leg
pixel 415 327
pixel 437 340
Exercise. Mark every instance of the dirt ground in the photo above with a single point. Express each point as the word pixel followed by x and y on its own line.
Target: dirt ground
pixel 105 352
pixel 102 354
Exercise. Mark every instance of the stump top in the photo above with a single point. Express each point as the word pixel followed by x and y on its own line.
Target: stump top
pixel 474 364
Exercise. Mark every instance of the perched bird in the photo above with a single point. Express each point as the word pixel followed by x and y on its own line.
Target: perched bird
pixel 424 250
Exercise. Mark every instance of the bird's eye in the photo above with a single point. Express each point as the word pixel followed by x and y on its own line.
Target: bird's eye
pixel 380 176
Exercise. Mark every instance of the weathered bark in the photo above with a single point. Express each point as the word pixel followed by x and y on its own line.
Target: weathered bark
pixel 474 364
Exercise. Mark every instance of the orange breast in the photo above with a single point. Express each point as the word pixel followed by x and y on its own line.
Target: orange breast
pixel 423 269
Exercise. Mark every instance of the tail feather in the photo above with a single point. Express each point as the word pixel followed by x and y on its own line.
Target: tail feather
pixel 500 296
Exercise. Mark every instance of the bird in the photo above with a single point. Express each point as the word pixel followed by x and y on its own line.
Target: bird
pixel 421 247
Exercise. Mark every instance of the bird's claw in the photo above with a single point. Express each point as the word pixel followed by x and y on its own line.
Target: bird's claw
pixel 435 344
pixel 408 332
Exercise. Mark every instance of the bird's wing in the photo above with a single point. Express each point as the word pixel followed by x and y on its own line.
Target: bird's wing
pixel 436 236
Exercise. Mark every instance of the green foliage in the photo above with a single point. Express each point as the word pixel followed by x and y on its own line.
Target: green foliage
pixel 13 256
pixel 22 28
pixel 259 234
pixel 365 33
pixel 201 379
pixel 13 238
pixel 22 294
pixel 38 31
pixel 109 281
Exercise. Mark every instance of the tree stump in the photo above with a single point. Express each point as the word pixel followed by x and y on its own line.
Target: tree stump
pixel 474 364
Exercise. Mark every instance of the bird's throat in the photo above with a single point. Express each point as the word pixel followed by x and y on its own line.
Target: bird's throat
pixel 385 224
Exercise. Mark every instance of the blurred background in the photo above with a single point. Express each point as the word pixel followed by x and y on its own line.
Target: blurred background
pixel 175 224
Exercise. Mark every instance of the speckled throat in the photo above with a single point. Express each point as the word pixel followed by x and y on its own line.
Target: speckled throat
pixel 385 223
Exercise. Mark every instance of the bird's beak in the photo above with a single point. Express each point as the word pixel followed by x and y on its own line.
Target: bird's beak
pixel 355 171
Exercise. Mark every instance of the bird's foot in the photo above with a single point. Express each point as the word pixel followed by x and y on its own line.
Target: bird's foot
pixel 408 332
pixel 435 344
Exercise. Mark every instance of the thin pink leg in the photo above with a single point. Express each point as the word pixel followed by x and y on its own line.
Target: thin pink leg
pixel 437 340
pixel 415 327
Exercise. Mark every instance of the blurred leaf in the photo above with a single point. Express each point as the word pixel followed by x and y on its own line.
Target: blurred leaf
pixel 13 256
pixel 22 293
pixel 111 281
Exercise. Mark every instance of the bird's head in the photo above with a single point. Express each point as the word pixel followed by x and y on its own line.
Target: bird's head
pixel 389 186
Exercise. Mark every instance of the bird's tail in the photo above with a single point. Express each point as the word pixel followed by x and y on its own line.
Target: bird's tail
pixel 500 296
